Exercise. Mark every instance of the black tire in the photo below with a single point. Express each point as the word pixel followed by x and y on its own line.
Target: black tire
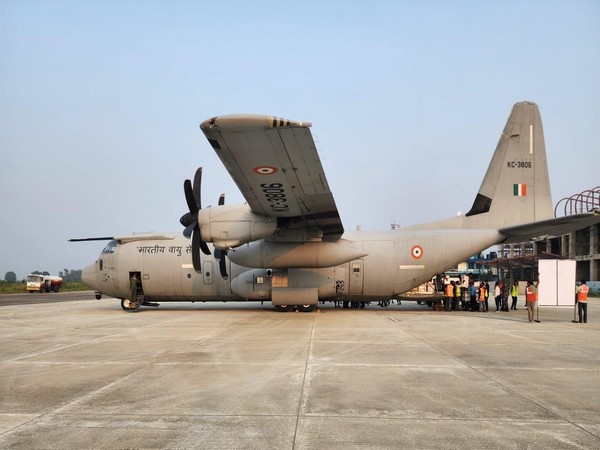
pixel 98 296
pixel 125 304
pixel 284 308
pixel 306 308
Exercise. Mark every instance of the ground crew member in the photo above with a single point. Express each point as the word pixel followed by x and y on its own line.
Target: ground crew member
pixel 449 296
pixel 514 293
pixel 457 296
pixel 498 295
pixel 582 296
pixel 473 304
pixel 482 297
pixel 531 300
pixel 133 284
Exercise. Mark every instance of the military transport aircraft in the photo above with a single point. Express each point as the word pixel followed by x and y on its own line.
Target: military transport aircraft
pixel 287 244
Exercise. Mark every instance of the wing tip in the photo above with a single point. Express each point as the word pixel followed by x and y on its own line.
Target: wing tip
pixel 244 122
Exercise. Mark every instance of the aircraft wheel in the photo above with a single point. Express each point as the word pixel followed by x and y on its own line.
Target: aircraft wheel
pixel 126 305
pixel 306 308
pixel 284 308
pixel 98 296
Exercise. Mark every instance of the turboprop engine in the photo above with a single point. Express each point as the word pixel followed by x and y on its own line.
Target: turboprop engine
pixel 225 226
pixel 229 226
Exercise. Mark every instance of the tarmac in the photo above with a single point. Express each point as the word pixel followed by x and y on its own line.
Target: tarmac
pixel 85 374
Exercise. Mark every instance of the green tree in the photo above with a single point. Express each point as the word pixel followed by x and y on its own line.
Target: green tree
pixel 37 272
pixel 69 276
pixel 11 277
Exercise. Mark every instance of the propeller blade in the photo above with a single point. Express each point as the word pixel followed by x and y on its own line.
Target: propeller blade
pixel 220 255
pixel 189 229
pixel 196 250
pixel 196 190
pixel 189 197
pixel 223 268
pixel 187 220
pixel 203 245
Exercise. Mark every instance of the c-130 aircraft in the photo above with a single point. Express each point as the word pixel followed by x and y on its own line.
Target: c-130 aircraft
pixel 287 244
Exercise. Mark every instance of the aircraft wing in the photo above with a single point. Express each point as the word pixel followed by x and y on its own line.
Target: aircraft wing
pixel 551 227
pixel 275 164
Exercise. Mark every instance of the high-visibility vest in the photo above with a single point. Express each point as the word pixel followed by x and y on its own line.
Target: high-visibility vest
pixel 530 294
pixel 583 293
pixel 482 294
pixel 514 291
pixel 457 290
pixel 449 291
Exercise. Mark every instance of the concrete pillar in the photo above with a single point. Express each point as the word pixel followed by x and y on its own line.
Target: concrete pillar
pixel 572 246
pixel 595 251
pixel 564 245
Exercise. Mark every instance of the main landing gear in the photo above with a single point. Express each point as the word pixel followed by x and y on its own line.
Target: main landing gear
pixel 300 308
pixel 130 306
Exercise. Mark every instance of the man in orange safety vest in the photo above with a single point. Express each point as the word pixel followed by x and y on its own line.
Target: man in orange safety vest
pixel 530 300
pixel 582 296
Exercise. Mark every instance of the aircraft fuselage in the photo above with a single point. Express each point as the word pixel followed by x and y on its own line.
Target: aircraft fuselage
pixel 393 263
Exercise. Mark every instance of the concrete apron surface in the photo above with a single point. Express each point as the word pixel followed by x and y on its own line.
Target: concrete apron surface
pixel 85 374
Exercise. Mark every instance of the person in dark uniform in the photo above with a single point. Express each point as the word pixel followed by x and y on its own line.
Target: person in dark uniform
pixel 133 285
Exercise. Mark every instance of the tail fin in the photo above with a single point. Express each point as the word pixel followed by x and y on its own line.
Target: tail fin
pixel 516 186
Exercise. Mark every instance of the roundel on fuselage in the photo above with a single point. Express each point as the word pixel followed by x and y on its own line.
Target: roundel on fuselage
pixel 416 252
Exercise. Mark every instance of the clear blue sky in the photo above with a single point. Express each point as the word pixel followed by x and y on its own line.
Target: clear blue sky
pixel 100 104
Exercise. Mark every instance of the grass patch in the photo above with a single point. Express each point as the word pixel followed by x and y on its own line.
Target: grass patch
pixel 21 288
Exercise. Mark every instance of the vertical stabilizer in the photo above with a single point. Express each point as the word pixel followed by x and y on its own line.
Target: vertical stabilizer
pixel 516 186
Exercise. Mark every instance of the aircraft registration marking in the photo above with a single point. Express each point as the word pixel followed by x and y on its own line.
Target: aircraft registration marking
pixel 519 164
pixel 275 195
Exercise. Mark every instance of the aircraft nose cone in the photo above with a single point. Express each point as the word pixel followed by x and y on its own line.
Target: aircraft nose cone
pixel 88 276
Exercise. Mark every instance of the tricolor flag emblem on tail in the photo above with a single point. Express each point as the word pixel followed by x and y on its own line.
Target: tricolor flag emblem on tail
pixel 520 190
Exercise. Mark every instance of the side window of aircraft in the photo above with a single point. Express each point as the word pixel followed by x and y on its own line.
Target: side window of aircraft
pixel 355 268
pixel 110 247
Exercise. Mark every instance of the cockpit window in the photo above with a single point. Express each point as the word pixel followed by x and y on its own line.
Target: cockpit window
pixel 110 247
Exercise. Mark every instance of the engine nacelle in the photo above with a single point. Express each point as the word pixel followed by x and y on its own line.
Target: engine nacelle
pixel 228 226
pixel 280 255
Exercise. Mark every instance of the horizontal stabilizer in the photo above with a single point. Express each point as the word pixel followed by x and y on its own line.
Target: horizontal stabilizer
pixel 551 227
